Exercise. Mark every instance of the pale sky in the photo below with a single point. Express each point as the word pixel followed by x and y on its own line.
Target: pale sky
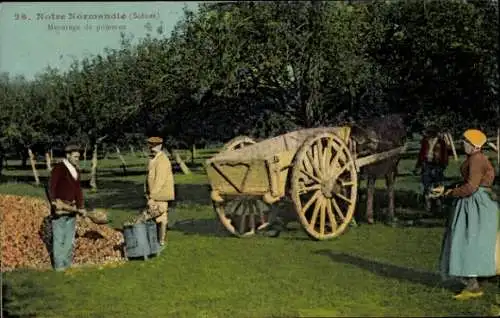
pixel 31 37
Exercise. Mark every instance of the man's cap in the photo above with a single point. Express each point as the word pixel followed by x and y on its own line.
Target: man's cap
pixel 475 137
pixel 155 140
pixel 72 148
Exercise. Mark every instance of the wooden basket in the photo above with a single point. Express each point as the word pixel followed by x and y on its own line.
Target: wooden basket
pixel 98 216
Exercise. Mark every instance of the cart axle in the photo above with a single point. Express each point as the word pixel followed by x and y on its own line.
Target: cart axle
pixel 329 188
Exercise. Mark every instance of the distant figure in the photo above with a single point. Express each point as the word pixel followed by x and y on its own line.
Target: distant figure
pixel 432 162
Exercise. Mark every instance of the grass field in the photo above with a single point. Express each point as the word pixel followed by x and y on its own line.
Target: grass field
pixel 369 271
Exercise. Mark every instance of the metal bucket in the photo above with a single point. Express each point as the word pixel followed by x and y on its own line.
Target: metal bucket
pixel 136 241
pixel 152 233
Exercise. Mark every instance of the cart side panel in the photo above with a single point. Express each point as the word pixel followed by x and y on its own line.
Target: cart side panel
pixel 234 178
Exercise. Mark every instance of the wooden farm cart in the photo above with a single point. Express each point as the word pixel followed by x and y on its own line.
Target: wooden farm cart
pixel 316 168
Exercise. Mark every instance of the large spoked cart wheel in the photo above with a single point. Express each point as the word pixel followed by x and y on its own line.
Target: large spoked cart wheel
pixel 324 186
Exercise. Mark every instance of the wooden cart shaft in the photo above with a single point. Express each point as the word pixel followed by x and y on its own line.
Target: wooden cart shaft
pixel 367 160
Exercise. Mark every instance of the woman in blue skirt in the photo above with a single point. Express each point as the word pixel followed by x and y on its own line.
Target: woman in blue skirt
pixel 468 249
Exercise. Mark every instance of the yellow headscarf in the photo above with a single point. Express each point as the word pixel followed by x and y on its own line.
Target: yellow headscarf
pixel 475 137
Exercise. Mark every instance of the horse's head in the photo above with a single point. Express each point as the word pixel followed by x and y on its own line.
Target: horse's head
pixel 379 134
pixel 366 140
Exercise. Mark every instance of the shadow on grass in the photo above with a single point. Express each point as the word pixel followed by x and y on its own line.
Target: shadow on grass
pixel 15 296
pixel 113 173
pixel 429 279
pixel 28 179
pixel 203 227
pixel 116 194
pixel 213 226
pixel 193 193
pixel 408 203
pixel 125 194
pixel 39 166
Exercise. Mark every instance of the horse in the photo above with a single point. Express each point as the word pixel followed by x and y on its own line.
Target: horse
pixel 374 136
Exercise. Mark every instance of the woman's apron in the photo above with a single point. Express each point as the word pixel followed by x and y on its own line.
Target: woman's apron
pixel 470 243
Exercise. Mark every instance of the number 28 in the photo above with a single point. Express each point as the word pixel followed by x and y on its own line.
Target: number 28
pixel 20 16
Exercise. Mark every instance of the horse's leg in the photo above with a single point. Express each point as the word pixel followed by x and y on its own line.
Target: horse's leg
pixel 389 182
pixel 370 189
pixel 353 222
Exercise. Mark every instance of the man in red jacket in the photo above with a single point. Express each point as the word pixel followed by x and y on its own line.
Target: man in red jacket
pixel 432 160
pixel 65 187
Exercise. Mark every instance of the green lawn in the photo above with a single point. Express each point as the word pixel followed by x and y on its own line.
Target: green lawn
pixel 368 271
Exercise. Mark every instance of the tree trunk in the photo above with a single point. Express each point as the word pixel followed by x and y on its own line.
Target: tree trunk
pixel 85 156
pixel 181 163
pixel 24 159
pixel 105 149
pixel 144 152
pixel 93 171
pixel 48 161
pixel 449 141
pixel 1 163
pixel 132 150
pixel 193 153
pixel 33 166
pixel 124 164
pixel 51 155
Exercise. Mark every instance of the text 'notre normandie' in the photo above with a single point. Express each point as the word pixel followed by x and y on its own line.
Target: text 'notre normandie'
pixel 100 16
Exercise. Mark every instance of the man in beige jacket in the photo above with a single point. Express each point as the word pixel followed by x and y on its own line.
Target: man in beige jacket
pixel 159 186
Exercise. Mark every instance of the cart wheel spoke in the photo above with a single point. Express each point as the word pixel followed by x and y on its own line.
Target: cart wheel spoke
pixel 342 170
pixel 239 208
pixel 332 165
pixel 307 166
pixel 243 217
pixel 318 154
pixel 312 161
pixel 343 197
pixel 307 189
pixel 314 217
pixel 255 214
pixel 326 152
pixel 310 175
pixel 337 209
pixel 322 218
pixel 313 199
pixel 309 163
pixel 333 221
pixel 346 183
